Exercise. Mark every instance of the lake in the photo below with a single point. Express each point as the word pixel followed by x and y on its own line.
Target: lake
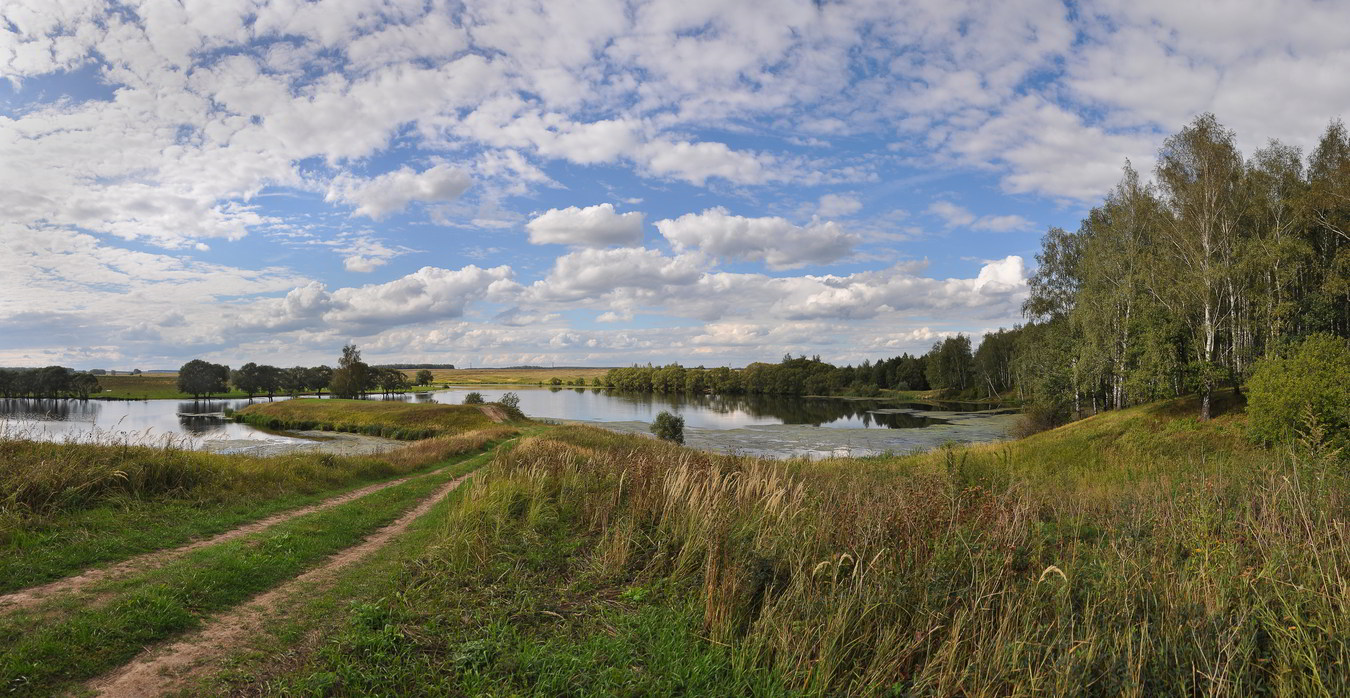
pixel 771 426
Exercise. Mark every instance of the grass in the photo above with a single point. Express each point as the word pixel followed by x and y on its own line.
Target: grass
pixel 175 598
pixel 398 420
pixel 1134 553
pixel 147 386
pixel 513 376
pixel 67 507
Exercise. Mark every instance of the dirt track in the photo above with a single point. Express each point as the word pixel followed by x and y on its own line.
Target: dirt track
pixel 171 668
pixel 32 596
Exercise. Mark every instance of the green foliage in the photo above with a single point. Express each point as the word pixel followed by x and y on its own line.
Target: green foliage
pixel 1309 389
pixel 424 377
pixel 669 427
pixel 473 398
pixel 510 402
pixel 950 364
pixel 352 377
pixel 47 382
pixel 200 378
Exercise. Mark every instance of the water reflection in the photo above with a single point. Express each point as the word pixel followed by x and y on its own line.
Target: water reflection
pixel 702 411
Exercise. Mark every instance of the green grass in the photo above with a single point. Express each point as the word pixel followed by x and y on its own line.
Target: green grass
pixel 398 420
pixel 513 376
pixel 147 386
pixel 67 507
pixel 175 598
pixel 1135 553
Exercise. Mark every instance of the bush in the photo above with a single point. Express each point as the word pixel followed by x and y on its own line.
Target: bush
pixel 1285 394
pixel 474 398
pixel 669 427
pixel 510 402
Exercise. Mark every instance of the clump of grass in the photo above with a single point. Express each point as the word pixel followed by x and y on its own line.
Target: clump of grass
pixel 394 420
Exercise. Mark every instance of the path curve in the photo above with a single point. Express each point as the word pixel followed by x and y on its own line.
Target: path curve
pixel 157 672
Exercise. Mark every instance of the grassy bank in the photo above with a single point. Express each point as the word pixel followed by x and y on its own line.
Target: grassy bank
pixel 396 420
pixel 1134 553
pixel 66 507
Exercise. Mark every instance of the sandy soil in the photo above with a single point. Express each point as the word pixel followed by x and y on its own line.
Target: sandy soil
pixel 172 668
pixel 33 595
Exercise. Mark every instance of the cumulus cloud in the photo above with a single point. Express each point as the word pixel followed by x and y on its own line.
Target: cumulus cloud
pixel 593 226
pixel 587 273
pixel 391 192
pixel 777 242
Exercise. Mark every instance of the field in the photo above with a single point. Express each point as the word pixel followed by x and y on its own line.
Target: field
pixel 1138 552
pixel 511 376
pixel 147 386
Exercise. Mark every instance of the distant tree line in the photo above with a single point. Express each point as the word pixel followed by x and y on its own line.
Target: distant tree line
pixel 47 382
pixel 352 378
pixel 437 366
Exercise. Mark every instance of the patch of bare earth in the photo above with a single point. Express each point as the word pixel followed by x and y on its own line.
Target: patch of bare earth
pixel 175 667
pixel 25 598
pixel 494 413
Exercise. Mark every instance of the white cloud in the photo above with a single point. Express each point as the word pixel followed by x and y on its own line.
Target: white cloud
pixel 391 192
pixel 836 205
pixel 588 273
pixel 954 216
pixel 776 241
pixel 593 226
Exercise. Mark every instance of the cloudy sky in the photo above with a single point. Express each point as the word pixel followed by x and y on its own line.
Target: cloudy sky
pixel 588 182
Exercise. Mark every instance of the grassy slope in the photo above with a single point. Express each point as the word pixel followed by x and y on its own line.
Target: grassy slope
pixel 394 419
pixel 1134 553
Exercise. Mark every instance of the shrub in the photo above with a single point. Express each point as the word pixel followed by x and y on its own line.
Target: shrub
pixel 669 427
pixel 510 402
pixel 474 398
pixel 1313 384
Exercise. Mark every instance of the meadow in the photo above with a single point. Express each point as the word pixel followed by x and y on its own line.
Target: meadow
pixel 514 376
pixel 1138 552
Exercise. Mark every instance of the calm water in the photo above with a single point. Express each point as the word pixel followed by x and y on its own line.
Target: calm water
pixel 758 425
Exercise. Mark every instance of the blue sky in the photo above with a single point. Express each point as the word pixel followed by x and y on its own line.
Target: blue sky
pixel 588 183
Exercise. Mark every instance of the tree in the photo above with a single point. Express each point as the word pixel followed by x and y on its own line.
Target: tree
pixel 318 378
pixel 352 377
pixel 424 377
pixel 200 378
pixel 247 379
pixel 473 398
pixel 669 427
pixel 950 364
pixel 1201 172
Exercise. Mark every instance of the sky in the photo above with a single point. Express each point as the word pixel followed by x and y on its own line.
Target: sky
pixel 589 182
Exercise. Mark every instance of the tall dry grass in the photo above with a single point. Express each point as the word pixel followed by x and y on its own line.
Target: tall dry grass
pixel 1135 554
